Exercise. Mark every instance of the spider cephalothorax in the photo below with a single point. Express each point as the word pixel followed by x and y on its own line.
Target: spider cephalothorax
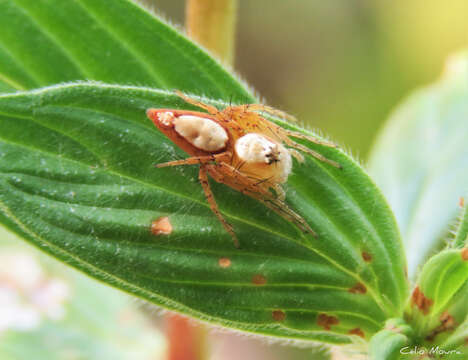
pixel 239 148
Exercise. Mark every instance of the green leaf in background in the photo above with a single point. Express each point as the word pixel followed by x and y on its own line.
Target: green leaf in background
pixel 461 236
pixel 51 312
pixel 77 179
pixel 388 343
pixel 420 161
pixel 45 42
pixel 437 309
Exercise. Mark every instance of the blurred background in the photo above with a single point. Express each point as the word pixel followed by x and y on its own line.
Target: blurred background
pixel 340 66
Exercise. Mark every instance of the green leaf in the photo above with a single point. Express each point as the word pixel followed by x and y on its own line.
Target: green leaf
pixel 461 236
pixel 388 343
pixel 438 303
pixel 420 161
pixel 44 42
pixel 458 339
pixel 77 179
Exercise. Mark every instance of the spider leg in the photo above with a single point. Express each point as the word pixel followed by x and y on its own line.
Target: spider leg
pixel 209 108
pixel 202 176
pixel 297 155
pixel 279 192
pixel 309 138
pixel 313 153
pixel 267 109
pixel 253 122
pixel 251 187
pixel 227 174
pixel 283 134
pixel 284 211
pixel 196 160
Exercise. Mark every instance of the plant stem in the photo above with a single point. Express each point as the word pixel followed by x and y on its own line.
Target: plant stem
pixel 186 338
pixel 212 24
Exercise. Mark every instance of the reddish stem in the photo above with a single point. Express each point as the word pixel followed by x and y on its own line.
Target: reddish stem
pixel 185 337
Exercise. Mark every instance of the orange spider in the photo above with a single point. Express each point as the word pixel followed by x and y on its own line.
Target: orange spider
pixel 239 148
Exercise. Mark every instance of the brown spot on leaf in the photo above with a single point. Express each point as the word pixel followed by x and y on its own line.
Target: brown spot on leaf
pixel 464 254
pixel 359 288
pixel 278 315
pixel 327 321
pixel 356 331
pixel 259 280
pixel 421 301
pixel 461 202
pixel 161 226
pixel 366 256
pixel 447 323
pixel 224 262
pixel 447 319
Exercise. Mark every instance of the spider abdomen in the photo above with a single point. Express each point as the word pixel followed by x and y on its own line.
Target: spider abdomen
pixel 203 133
pixel 195 133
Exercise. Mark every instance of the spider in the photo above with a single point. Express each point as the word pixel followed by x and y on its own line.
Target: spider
pixel 238 147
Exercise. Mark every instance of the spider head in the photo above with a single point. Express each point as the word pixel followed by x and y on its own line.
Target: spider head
pixel 259 153
pixel 273 155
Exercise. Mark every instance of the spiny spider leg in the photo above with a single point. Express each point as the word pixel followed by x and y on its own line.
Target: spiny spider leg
pixel 280 194
pixel 284 211
pixel 309 138
pixel 196 160
pixel 202 176
pixel 267 109
pixel 251 188
pixel 220 170
pixel 209 108
pixel 313 153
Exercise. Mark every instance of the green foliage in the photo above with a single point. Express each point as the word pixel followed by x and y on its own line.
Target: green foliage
pixel 387 343
pixel 45 42
pixel 420 161
pixel 78 181
pixel 461 237
pixel 438 304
